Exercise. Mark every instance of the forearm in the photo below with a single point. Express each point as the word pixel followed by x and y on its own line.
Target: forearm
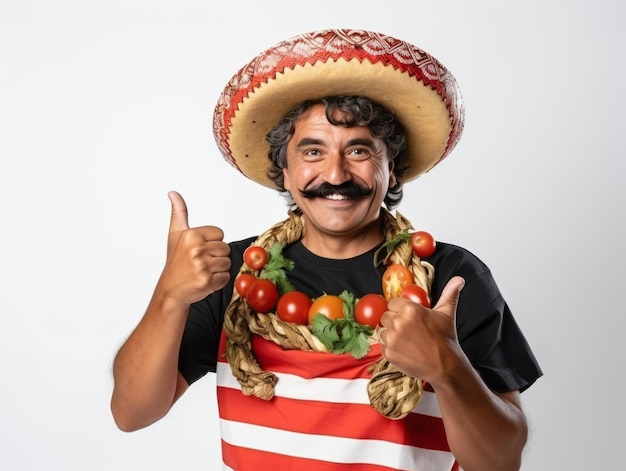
pixel 145 369
pixel 485 430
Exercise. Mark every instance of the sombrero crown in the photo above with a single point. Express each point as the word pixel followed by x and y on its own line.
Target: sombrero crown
pixel 405 79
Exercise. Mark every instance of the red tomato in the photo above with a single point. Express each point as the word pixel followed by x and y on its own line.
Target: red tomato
pixel 396 277
pixel 293 306
pixel 262 295
pixel 255 257
pixel 417 294
pixel 243 282
pixel 423 244
pixel 329 305
pixel 369 309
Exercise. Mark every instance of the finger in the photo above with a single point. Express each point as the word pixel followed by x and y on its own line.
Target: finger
pixel 179 220
pixel 379 334
pixel 449 298
pixel 220 280
pixel 213 234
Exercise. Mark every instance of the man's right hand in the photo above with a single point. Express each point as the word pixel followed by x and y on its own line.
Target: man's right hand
pixel 197 258
pixel 145 370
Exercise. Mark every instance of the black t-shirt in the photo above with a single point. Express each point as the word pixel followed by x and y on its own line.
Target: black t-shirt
pixel 487 331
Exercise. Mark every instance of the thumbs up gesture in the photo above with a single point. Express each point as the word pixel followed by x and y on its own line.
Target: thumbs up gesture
pixel 197 258
pixel 419 341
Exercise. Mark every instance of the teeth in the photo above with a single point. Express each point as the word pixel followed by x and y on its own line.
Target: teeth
pixel 337 197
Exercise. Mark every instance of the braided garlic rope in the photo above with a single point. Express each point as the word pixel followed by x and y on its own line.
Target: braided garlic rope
pixel 391 393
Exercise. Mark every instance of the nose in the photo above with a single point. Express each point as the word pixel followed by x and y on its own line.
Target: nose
pixel 336 169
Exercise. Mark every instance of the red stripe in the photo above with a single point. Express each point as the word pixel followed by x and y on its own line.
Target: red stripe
pixel 246 459
pixel 309 364
pixel 358 421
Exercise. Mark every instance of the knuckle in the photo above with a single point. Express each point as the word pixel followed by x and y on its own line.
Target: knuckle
pixel 188 236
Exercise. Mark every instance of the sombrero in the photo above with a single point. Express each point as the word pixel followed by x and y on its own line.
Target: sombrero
pixel 405 79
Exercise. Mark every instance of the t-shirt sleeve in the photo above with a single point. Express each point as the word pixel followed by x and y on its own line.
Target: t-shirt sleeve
pixel 200 342
pixel 487 330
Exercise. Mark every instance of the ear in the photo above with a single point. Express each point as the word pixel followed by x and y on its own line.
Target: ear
pixel 392 176
pixel 286 183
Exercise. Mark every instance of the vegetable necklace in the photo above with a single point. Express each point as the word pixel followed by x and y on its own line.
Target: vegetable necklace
pixel 241 321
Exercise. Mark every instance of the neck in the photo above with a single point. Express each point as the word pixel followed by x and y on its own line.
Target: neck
pixel 342 246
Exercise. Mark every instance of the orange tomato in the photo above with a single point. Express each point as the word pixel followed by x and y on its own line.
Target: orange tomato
pixel 329 305
pixel 395 278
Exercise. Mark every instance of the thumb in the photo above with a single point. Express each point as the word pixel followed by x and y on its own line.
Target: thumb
pixel 449 298
pixel 179 220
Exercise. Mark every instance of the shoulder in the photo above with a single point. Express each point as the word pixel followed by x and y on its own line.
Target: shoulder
pixel 240 245
pixel 451 260
pixel 237 247
pixel 456 260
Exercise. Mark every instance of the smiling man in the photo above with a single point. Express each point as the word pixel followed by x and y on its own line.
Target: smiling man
pixel 337 121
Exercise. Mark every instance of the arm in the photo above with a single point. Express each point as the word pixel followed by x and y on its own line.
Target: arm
pixel 485 430
pixel 145 369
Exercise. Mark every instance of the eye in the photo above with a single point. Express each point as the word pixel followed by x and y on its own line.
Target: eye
pixel 359 153
pixel 312 154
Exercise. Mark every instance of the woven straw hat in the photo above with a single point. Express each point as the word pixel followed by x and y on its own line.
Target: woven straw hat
pixel 405 79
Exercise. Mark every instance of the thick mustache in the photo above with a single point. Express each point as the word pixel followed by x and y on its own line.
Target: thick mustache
pixel 347 189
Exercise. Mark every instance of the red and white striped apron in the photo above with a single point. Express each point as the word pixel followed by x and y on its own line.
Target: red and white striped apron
pixel 320 418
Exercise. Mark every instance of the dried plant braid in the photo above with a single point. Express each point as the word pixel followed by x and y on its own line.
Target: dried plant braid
pixel 391 393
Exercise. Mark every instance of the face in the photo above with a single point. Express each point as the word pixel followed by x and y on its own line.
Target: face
pixel 338 176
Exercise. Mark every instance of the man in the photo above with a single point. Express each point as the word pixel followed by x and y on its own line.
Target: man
pixel 347 118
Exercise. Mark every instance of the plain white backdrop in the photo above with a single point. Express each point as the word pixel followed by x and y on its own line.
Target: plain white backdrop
pixel 105 106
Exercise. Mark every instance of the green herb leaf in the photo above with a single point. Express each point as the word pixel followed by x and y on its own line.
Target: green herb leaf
pixel 325 330
pixel 343 335
pixel 358 345
pixel 277 261
pixel 389 246
pixel 348 304
pixel 276 269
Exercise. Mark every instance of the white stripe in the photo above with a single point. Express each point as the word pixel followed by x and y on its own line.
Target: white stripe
pixel 334 449
pixel 335 390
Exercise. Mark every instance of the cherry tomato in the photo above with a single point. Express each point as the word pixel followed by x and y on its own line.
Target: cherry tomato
pixel 417 294
pixel 294 306
pixel 255 257
pixel 329 305
pixel 396 277
pixel 243 282
pixel 423 244
pixel 369 309
pixel 262 295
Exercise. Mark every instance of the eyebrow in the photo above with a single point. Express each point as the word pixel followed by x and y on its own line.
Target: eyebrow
pixel 359 141
pixel 308 141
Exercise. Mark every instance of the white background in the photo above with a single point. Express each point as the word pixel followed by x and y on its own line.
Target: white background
pixel 105 106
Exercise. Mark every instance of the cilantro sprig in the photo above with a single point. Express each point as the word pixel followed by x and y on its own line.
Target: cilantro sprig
pixel 387 248
pixel 276 269
pixel 344 335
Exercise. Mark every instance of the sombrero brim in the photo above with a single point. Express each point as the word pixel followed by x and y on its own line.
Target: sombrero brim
pixel 415 86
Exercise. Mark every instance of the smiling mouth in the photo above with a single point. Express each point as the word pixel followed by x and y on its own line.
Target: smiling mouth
pixel 336 197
